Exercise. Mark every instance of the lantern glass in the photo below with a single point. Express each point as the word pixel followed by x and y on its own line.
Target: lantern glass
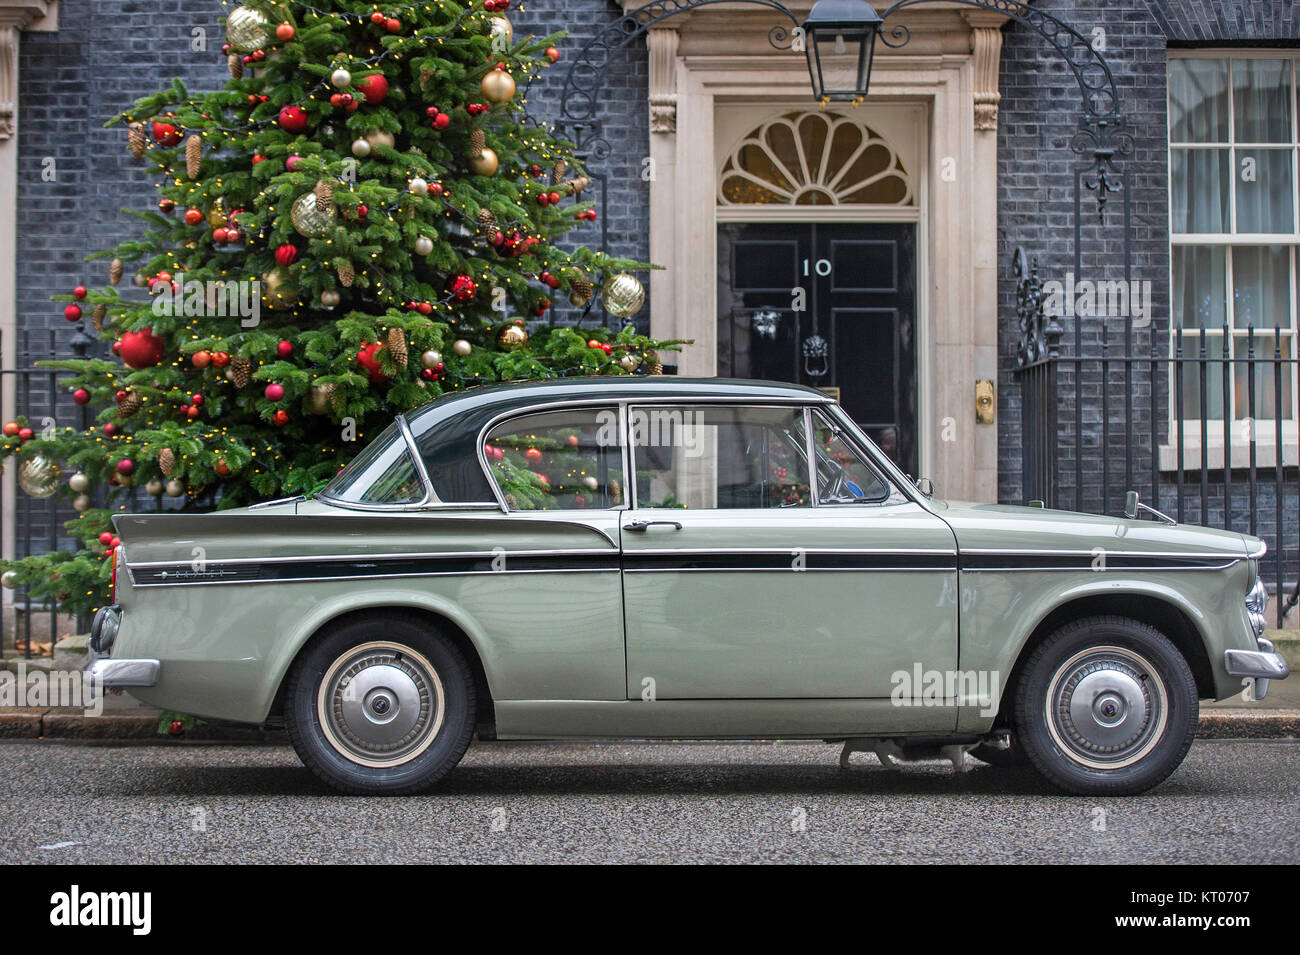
pixel 840 38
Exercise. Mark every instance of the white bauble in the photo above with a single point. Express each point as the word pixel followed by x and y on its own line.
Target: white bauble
pixel 360 148
pixel 340 78
pixel 79 482
pixel 423 245
pixel 418 186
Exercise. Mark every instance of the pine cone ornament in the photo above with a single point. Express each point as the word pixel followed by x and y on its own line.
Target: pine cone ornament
pixel 241 371
pixel 98 315
pixel 235 64
pixel 324 194
pixel 346 273
pixel 581 290
pixel 135 140
pixel 654 364
pixel 558 170
pixel 426 77
pixel 477 141
pixel 166 461
pixel 396 342
pixel 129 404
pixel 115 271
pixel 193 156
pixel 486 220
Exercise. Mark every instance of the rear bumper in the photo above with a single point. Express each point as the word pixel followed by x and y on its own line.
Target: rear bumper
pixel 1261 665
pixel 106 671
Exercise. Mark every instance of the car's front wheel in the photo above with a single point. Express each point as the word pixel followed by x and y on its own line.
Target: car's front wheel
pixel 1106 706
pixel 381 705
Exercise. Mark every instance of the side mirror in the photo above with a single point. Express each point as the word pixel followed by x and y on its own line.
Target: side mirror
pixel 1131 505
pixel 925 486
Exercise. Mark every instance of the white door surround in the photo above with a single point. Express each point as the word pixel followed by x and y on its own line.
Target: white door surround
pixel 710 62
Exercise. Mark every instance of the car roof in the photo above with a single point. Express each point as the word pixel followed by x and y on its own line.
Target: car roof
pixel 473 407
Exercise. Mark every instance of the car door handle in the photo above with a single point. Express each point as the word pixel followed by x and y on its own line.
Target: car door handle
pixel 643 526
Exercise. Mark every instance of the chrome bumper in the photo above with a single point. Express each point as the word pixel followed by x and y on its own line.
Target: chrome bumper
pixel 1261 665
pixel 106 671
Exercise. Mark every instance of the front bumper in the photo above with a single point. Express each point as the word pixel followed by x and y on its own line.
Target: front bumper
pixel 1261 665
pixel 106 671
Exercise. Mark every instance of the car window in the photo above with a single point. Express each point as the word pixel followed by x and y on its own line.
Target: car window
pixel 719 457
pixel 843 476
pixel 383 473
pixel 558 460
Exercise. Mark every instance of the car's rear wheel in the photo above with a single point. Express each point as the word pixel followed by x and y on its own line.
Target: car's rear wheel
pixel 381 705
pixel 1106 706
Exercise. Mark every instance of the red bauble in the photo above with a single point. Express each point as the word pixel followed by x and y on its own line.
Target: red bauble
pixel 543 199
pixel 462 288
pixel 220 234
pixel 551 53
pixel 220 359
pixel 257 158
pixel 441 121
pixel 427 374
pixel 592 343
pixel 11 429
pixel 106 538
pixel 26 434
pixel 435 189
pixel 79 292
pixel 555 198
pixel 293 119
pixel 284 349
pixel 392 25
pixel 533 454
pixel 284 32
pixel 223 468
pixel 196 399
pixel 368 358
pixel 374 88
pixel 424 308
pixel 193 216
pixel 166 133
pixel 142 349
pixel 292 163
pixel 81 396
pixel 201 359
pixel 110 429
pixel 125 466
pixel 274 392
pixel 377 17
pixel 280 418
pixel 72 313
pixel 286 254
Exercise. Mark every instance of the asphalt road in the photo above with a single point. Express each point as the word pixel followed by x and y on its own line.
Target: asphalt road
pixel 1230 802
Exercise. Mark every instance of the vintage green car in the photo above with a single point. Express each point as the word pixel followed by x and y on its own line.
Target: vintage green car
pixel 666 558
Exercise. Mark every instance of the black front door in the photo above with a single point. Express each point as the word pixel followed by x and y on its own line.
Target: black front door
pixel 832 306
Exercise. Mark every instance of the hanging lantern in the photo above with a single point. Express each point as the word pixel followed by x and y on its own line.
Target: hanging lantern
pixel 840 38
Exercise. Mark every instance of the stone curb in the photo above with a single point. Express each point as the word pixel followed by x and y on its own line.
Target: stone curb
pixel 52 723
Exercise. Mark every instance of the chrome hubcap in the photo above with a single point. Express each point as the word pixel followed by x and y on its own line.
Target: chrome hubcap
pixel 381 704
pixel 1106 707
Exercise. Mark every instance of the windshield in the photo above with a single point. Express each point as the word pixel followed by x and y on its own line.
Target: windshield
pixel 384 473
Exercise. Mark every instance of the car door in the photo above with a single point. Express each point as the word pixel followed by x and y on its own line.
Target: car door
pixel 739 584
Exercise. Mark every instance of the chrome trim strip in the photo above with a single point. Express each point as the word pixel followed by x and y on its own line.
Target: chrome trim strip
pixel 107 671
pixel 811 551
pixel 434 573
pixel 1258 552
pixel 430 495
pixel 1010 551
pixel 423 555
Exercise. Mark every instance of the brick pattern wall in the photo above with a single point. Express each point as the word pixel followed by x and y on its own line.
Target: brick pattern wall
pixel 1039 113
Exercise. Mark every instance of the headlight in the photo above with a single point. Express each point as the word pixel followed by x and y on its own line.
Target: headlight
pixel 1256 601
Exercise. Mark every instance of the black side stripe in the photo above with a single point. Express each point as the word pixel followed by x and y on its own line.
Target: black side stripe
pixel 786 560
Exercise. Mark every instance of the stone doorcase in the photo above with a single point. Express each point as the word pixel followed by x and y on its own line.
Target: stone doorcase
pixel 15 17
pixel 717 59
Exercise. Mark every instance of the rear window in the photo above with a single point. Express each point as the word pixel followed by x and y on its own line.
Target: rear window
pixel 384 473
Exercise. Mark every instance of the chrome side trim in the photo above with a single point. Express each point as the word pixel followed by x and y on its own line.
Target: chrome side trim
pixel 410 556
pixel 432 573
pixel 109 672
pixel 430 495
pixel 1258 552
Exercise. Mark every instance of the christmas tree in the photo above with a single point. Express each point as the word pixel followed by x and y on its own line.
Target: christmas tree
pixel 364 218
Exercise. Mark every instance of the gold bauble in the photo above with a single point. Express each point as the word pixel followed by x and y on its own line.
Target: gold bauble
pixel 318 399
pixel 378 137
pixel 154 487
pixel 623 295
pixel 247 30
pixel 330 298
pixel 38 476
pixel 498 86
pixel 9 580
pixel 512 337
pixel 174 488
pixel 82 503
pixel 311 218
pixel 278 292
pixel 484 164
pixel 216 213
pixel 461 347
pixel 501 27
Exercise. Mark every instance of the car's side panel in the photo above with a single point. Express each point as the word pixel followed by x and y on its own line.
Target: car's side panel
pixel 225 647
pixel 1002 610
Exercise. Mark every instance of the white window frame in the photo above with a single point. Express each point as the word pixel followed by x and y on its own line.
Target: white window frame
pixel 1262 430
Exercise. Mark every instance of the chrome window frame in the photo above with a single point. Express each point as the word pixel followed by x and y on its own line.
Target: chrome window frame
pixel 429 498
pixel 618 406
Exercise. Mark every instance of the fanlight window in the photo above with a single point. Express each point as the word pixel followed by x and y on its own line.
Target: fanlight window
pixel 814 159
